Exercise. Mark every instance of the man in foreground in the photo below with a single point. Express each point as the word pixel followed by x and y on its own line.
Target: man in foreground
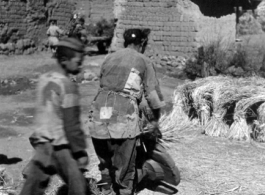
pixel 59 141
pixel 114 120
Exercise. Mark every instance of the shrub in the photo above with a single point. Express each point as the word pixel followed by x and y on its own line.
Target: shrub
pixel 212 58
pixel 235 59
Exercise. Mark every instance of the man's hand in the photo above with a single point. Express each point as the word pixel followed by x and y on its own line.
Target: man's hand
pixel 152 131
pixel 155 130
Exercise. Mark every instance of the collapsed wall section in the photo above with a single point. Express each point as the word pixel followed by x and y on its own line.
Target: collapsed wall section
pixel 177 26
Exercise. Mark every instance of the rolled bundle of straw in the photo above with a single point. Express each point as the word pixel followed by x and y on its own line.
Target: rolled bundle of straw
pixel 216 127
pixel 259 130
pixel 240 130
pixel 174 125
pixel 202 102
pixel 212 100
pixel 177 117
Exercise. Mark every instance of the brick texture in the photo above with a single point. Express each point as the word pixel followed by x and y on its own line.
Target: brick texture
pixel 177 26
pixel 27 20
pixel 94 10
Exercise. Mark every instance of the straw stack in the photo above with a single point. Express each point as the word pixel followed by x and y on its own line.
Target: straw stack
pixel 174 125
pixel 240 130
pixel 207 104
pixel 259 130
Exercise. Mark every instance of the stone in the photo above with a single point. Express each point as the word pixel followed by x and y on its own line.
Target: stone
pixel 26 42
pixel 89 75
pixel 19 44
pixel 3 46
pixel 10 47
pixel 18 52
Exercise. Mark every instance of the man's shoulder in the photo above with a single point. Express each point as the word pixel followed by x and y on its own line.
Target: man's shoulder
pixel 59 79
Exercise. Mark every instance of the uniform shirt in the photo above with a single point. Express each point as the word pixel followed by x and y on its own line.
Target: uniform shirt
pixel 57 113
pixel 125 76
pixel 54 31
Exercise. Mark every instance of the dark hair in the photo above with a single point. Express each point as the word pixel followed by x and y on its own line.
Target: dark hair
pixel 135 36
pixel 64 53
pixel 82 20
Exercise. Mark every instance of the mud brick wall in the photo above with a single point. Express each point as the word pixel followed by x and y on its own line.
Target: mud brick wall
pixel 177 26
pixel 62 11
pixel 94 10
pixel 23 23
pixel 12 20
pixel 101 9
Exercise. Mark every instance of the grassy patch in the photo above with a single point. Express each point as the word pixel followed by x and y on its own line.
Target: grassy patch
pixel 6 132
pixel 19 66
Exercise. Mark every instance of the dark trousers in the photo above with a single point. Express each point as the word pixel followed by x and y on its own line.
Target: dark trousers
pixel 117 163
pixel 48 162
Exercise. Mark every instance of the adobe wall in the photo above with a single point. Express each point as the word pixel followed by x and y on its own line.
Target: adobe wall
pixel 94 10
pixel 178 26
pixel 23 23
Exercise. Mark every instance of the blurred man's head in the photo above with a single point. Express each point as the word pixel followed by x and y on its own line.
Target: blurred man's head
pixel 70 54
pixel 53 22
pixel 137 38
pixel 81 21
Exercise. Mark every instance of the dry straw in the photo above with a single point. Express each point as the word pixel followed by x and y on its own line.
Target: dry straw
pixel 240 130
pixel 175 125
pixel 259 129
pixel 206 104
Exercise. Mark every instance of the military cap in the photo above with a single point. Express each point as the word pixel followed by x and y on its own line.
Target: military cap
pixel 71 43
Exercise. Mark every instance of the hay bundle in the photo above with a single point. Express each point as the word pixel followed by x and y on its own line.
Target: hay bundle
pixel 214 103
pixel 175 125
pixel 223 98
pixel 202 102
pixel 240 129
pixel 217 91
pixel 259 130
pixel 216 127
pixel 203 96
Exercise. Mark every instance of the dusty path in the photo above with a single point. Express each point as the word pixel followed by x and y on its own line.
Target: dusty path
pixel 208 165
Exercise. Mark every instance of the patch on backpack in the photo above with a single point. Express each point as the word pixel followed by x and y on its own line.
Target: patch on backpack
pixel 105 112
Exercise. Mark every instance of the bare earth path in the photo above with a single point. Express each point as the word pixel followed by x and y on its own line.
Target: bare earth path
pixel 209 166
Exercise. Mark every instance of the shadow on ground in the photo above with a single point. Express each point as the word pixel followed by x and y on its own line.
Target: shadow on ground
pixel 8 161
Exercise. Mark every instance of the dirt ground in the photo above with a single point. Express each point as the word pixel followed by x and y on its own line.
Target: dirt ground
pixel 208 166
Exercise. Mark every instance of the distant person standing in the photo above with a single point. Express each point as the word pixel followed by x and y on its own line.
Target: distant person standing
pixel 79 26
pixel 59 141
pixel 53 34
pixel 79 30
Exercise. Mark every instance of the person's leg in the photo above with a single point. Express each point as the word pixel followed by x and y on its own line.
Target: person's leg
pixel 38 171
pixel 68 169
pixel 124 164
pixel 104 155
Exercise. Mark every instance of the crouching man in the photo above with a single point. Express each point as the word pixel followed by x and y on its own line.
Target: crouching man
pixel 59 141
pixel 156 169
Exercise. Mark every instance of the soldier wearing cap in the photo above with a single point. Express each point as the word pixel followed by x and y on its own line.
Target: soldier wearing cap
pixel 59 141
pixel 114 120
